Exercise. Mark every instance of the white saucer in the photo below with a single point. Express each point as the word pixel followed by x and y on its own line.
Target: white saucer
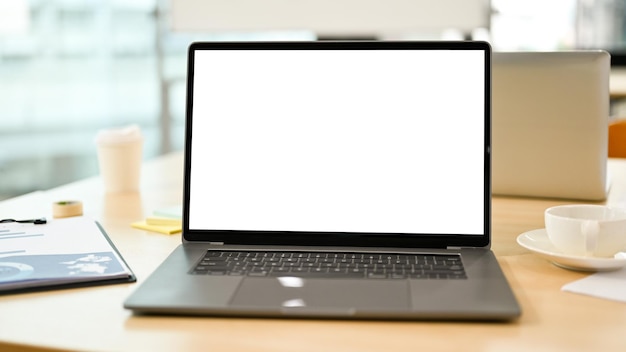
pixel 537 241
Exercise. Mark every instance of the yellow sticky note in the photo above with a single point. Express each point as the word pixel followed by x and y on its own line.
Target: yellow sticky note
pixel 164 221
pixel 165 229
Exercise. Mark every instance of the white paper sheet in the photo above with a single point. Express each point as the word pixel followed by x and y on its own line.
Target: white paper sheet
pixel 608 285
pixel 60 252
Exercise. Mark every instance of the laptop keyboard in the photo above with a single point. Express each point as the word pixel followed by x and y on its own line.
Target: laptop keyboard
pixel 331 265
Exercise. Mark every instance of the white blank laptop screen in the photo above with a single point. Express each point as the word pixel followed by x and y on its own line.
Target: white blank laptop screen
pixel 368 141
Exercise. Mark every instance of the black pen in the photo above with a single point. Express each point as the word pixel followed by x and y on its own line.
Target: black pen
pixel 39 221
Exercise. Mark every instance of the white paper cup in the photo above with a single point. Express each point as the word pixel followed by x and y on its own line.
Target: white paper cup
pixel 586 229
pixel 119 158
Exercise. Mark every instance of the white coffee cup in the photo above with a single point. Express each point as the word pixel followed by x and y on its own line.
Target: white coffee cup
pixel 586 229
pixel 119 158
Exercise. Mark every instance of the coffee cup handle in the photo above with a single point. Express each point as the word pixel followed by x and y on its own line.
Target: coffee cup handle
pixel 590 229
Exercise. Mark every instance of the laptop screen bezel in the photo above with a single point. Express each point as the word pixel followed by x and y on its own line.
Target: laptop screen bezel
pixel 308 238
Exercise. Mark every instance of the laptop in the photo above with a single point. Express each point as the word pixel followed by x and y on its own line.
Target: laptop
pixel 335 180
pixel 550 124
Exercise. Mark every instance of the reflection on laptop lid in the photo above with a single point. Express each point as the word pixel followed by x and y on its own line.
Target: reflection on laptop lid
pixel 550 124
pixel 370 159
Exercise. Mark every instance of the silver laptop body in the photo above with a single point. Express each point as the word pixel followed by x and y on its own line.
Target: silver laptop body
pixel 371 154
pixel 550 124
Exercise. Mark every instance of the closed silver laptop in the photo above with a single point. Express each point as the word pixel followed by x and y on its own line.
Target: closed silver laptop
pixel 335 180
pixel 550 124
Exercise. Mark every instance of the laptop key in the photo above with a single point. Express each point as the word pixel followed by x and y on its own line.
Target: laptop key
pixel 258 273
pixel 319 275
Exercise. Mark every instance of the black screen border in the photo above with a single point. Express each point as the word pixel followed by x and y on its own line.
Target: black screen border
pixel 335 239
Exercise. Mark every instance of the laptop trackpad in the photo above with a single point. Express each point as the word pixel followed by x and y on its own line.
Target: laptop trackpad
pixel 323 295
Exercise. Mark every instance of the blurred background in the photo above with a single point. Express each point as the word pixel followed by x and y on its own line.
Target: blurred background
pixel 69 68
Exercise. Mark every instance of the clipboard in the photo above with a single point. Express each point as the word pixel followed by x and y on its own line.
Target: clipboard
pixel 64 253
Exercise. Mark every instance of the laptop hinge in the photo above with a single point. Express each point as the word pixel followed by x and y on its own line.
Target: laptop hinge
pixel 216 243
pixel 453 247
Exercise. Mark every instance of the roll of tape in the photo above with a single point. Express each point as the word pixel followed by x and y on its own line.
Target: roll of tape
pixel 67 208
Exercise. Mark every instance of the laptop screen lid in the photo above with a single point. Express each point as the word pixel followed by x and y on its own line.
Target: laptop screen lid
pixel 338 143
pixel 550 118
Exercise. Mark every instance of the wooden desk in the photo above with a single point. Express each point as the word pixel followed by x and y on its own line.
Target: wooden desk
pixel 93 318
